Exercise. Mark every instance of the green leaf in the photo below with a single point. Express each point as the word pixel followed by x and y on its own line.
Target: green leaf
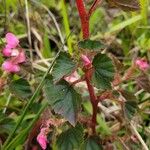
pixel 20 88
pixel 103 71
pixel 63 99
pixel 125 23
pixel 103 128
pixel 63 67
pixel 70 139
pixel 91 45
pixel 130 106
pixel 6 124
pixel 91 144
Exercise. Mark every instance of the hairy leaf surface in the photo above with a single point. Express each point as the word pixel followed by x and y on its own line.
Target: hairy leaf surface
pixel 63 67
pixel 103 71
pixel 91 45
pixel 63 99
pixel 71 139
pixel 91 144
pixel 20 88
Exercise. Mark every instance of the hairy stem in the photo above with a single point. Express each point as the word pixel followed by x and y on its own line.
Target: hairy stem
pixel 93 99
pixel 84 17
pixel 94 6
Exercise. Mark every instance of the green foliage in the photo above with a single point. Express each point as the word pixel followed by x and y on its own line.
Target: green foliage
pixel 6 123
pixel 20 138
pixel 103 71
pixel 125 23
pixel 91 144
pixel 63 67
pixel 91 45
pixel 130 107
pixel 66 25
pixel 47 47
pixel 63 99
pixel 20 88
pixel 71 139
pixel 144 11
pixel 127 38
pixel 103 128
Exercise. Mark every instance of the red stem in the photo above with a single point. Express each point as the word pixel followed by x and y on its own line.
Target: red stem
pixel 84 17
pixel 93 99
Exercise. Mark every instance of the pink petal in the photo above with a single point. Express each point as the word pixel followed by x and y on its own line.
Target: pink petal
pixel 8 66
pixel 11 40
pixel 142 64
pixel 7 52
pixel 20 58
pixel 86 60
pixel 42 140
pixel 14 52
pixel 73 77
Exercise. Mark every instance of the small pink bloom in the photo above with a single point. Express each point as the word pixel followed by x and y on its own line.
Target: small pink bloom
pixel 16 56
pixel 86 60
pixel 73 77
pixel 142 64
pixel 14 52
pixel 11 40
pixel 20 58
pixel 42 140
pixel 8 66
pixel 7 52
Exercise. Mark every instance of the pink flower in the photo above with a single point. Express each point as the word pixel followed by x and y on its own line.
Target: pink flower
pixel 142 64
pixel 42 140
pixel 15 54
pixel 20 58
pixel 86 60
pixel 7 52
pixel 11 40
pixel 10 67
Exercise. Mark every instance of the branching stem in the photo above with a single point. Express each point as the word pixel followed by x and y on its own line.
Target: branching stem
pixel 85 18
pixel 94 6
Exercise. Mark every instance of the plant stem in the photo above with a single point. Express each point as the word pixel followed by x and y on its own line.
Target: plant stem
pixel 66 25
pixel 84 17
pixel 144 11
pixel 93 101
pixel 28 28
pixel 138 136
pixel 7 103
pixel 94 6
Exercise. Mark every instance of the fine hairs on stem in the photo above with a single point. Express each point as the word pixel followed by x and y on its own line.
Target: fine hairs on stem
pixel 85 18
